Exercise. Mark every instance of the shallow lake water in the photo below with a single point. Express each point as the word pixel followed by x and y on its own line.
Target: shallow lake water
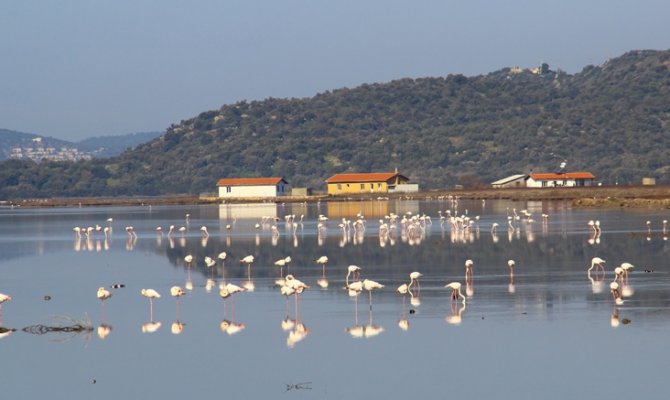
pixel 549 330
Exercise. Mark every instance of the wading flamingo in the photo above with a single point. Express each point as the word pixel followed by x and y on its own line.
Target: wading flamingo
pixel 455 291
pixel 151 295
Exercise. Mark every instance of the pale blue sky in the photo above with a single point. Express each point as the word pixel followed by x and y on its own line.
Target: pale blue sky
pixel 73 69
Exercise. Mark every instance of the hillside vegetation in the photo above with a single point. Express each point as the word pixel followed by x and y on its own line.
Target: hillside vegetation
pixel 612 120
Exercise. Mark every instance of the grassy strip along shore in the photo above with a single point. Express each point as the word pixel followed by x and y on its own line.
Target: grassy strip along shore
pixel 601 197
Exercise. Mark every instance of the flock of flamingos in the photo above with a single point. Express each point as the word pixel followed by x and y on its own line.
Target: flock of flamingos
pixel 288 285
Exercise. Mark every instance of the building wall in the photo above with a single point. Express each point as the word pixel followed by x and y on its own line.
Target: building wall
pixel 517 183
pixel 558 183
pixel 405 188
pixel 253 191
pixel 367 187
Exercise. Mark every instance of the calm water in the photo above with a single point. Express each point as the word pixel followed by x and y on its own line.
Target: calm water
pixel 545 332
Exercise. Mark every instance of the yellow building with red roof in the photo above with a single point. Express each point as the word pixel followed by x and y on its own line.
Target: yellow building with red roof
pixel 374 182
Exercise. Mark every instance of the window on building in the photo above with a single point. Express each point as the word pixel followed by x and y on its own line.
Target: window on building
pixel 339 186
pixel 379 185
pixel 228 189
pixel 362 186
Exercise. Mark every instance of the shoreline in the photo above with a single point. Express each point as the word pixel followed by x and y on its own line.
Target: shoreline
pixel 593 197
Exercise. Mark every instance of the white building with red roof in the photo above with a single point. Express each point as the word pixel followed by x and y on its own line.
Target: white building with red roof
pixel 253 187
pixel 559 179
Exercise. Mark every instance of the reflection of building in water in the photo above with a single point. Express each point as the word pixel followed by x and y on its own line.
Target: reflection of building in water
pixel 247 211
pixel 371 208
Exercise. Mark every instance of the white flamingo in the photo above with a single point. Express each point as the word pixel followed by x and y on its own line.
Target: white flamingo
pixel 455 291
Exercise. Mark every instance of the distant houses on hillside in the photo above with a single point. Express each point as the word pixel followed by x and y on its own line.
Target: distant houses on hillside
pixel 546 180
pixel 38 151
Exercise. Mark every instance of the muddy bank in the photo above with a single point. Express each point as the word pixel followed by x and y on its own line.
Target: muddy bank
pixel 602 197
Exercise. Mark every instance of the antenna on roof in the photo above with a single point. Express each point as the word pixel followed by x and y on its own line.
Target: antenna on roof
pixel 561 168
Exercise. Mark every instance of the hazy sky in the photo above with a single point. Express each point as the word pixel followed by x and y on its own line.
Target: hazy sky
pixel 73 69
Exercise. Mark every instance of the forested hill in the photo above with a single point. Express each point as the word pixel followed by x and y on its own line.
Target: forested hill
pixel 612 120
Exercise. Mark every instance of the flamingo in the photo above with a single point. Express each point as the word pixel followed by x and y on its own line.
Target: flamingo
pixel 352 269
pixel 248 260
pixel 203 230
pixel 188 259
pixel 3 298
pixel 468 267
pixel 616 294
pixel 323 281
pixel 295 284
pixel 177 292
pixel 618 274
pixel 209 262
pixel 511 264
pixel 323 260
pixel 103 294
pixel 228 290
pixel 151 294
pixel 177 327
pixel 414 277
pixel 597 262
pixel 627 267
pixel 281 263
pixel 455 291
pixel 371 285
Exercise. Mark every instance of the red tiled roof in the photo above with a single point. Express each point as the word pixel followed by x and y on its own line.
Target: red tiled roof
pixel 250 181
pixel 369 177
pixel 566 175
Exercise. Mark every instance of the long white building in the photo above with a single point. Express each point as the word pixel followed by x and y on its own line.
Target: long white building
pixel 252 187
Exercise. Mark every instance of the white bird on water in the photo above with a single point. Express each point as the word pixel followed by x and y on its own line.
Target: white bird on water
pixel 616 293
pixel 177 292
pixel 455 291
pixel 414 278
pixel 3 298
pixel 352 269
pixel 371 285
pixel 151 294
pixel 597 263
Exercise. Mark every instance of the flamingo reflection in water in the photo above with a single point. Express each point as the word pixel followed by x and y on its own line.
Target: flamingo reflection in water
pixel 616 293
pixel 596 283
pixel 225 291
pixel 368 331
pixel 231 327
pixel 456 314
pixel 297 334
pixel 511 288
pixel 297 330
pixel 103 331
